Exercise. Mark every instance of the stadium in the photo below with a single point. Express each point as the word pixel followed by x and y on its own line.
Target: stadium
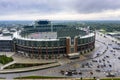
pixel 44 40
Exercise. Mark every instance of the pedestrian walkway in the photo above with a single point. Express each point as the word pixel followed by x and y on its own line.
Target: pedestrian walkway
pixel 1 64
pixel 6 65
pixel 29 68
pixel 21 59
pixel 63 61
pixel 24 60
pixel 49 79
pixel 82 57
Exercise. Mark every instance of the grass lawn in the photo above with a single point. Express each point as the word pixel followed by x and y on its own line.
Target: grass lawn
pixel 17 65
pixel 39 77
pixel 4 59
pixel 111 79
pixel 20 65
pixel 102 79
pixel 50 77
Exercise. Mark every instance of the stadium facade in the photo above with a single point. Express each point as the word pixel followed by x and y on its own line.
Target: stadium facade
pixel 44 40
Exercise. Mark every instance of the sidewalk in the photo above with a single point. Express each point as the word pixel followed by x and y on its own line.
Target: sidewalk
pixel 29 68
pixel 8 64
pixel 20 59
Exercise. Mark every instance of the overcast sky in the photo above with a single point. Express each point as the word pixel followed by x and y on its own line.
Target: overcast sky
pixel 60 9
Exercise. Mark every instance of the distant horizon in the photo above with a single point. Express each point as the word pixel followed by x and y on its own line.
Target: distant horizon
pixel 60 20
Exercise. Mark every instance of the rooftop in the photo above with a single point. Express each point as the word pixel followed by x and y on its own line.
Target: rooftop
pixel 5 37
pixel 88 35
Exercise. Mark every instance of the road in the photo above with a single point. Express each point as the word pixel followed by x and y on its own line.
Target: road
pixel 105 59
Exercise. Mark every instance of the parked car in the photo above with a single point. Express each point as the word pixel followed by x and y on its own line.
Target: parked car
pixel 110 74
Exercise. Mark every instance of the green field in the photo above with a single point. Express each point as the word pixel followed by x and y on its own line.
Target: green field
pixel 53 77
pixel 40 77
pixel 101 79
pixel 4 59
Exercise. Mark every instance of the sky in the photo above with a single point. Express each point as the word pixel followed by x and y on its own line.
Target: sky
pixel 60 9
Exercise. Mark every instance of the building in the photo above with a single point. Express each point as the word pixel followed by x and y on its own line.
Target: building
pixel 44 40
pixel 6 43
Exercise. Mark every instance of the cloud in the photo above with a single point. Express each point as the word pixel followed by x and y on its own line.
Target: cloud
pixel 106 15
pixel 30 6
pixel 48 6
pixel 56 7
pixel 93 6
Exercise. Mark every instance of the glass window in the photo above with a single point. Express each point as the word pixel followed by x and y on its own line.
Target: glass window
pixel 43 44
pixel 49 43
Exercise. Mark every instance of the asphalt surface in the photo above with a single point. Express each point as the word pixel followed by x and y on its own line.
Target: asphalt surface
pixel 103 60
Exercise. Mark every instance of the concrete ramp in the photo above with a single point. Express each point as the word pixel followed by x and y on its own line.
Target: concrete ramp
pixel 6 65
